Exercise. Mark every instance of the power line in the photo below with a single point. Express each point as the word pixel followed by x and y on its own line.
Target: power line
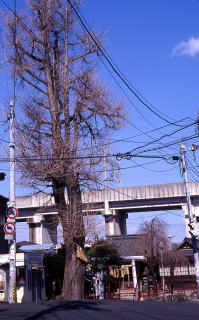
pixel 81 15
pixel 193 177
pixel 152 170
pixel 138 109
pixel 156 215
pixel 192 168
pixel 174 123
pixel 113 67
pixel 175 214
pixel 3 140
pixel 27 28
pixel 167 144
pixel 127 96
pixel 77 77
pixel 119 156
pixel 166 135
pixel 101 171
pixel 117 168
pixel 138 135
pixel 123 155
pixel 46 158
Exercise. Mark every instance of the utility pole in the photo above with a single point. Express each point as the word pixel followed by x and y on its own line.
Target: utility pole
pixel 12 242
pixel 105 166
pixel 162 266
pixel 192 218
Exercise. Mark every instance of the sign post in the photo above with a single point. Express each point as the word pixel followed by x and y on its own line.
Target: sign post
pixel 11 213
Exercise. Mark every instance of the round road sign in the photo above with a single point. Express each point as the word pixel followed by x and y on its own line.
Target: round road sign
pixel 9 228
pixel 12 212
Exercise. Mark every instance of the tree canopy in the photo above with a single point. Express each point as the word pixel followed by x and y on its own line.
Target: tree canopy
pixel 102 255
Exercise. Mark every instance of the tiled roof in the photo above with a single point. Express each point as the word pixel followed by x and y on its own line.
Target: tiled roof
pixel 126 245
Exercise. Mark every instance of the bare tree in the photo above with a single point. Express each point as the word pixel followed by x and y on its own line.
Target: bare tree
pixel 67 114
pixel 174 258
pixel 153 240
pixel 94 229
pixel 159 252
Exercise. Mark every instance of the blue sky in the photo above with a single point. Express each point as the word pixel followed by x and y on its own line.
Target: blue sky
pixel 140 37
pixel 156 45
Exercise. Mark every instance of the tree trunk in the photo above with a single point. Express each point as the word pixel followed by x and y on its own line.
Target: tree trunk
pixel 74 276
pixel 71 217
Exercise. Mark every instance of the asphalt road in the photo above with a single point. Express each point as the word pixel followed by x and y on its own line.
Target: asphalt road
pixel 102 310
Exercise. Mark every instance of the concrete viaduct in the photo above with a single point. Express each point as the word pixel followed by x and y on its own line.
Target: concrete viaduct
pixel 114 204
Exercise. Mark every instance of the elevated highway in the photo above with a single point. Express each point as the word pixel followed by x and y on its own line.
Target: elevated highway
pixel 113 204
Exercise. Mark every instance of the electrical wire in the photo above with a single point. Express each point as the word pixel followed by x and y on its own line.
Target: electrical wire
pixel 102 171
pixel 126 95
pixel 166 135
pixel 114 68
pixel 73 73
pixel 77 77
pixel 50 158
pixel 127 155
pixel 157 215
pixel 167 144
pixel 81 15
pixel 192 167
pixel 135 136
pixel 152 170
pixel 175 214
pixel 27 28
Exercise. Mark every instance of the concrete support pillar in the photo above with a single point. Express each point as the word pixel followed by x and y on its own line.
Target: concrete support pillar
pixel 134 274
pixel 124 217
pixel 43 229
pixel 107 211
pixel 35 229
pixel 49 234
pixel 109 225
pixel 115 223
pixel 120 223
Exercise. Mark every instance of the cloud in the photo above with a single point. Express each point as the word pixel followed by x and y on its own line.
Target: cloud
pixel 187 48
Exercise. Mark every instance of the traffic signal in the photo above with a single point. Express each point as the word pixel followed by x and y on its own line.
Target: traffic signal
pixel 2 176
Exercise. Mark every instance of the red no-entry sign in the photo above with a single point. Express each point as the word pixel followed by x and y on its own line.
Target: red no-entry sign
pixel 12 212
